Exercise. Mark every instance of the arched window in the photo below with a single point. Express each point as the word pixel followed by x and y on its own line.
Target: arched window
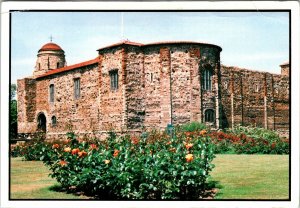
pixel 209 115
pixel 51 89
pixel 41 121
pixel 53 121
pixel 206 79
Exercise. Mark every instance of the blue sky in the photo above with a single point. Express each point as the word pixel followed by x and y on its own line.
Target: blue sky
pixel 253 40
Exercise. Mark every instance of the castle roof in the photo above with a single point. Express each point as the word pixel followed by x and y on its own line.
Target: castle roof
pixel 127 42
pixel 51 47
pixel 71 67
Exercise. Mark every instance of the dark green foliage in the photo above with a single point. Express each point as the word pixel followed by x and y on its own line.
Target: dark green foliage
pixel 154 167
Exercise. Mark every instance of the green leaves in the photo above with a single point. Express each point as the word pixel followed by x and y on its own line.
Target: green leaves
pixel 154 167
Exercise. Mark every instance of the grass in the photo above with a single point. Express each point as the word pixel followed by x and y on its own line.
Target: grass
pixel 29 180
pixel 237 177
pixel 252 176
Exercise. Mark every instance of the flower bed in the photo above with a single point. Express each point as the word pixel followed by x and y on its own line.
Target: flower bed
pixel 249 140
pixel 152 167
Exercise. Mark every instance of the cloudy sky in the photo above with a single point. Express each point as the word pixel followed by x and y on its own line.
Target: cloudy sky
pixel 254 40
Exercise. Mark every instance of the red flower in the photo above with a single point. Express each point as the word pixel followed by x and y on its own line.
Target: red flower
pixel 75 151
pixel 63 163
pixel 134 140
pixel 169 142
pixel 55 146
pixel 116 153
pixel 93 146
pixel 82 154
pixel 273 145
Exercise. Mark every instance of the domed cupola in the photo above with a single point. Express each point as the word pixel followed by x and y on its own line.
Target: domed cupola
pixel 50 56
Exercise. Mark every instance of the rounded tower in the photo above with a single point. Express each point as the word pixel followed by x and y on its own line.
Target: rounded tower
pixel 50 56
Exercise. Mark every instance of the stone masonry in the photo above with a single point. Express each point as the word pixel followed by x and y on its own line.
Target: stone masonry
pixel 130 87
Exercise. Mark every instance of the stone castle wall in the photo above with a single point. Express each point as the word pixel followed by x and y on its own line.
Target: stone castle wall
pixel 254 98
pixel 157 85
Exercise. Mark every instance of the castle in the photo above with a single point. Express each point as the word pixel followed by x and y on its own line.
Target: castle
pixel 131 87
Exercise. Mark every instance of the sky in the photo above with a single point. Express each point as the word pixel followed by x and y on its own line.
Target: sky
pixel 252 40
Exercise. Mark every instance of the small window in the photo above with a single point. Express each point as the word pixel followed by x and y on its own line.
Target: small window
pixel 77 88
pixel 51 93
pixel 114 80
pixel 206 79
pixel 57 65
pixel 151 77
pixel 39 65
pixel 53 121
pixel 209 115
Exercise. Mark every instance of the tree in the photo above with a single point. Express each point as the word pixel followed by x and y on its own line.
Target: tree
pixel 13 113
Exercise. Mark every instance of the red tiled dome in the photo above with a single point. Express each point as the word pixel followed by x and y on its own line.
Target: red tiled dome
pixel 51 47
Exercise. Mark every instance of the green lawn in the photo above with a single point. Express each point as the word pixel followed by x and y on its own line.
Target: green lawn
pixel 237 176
pixel 252 176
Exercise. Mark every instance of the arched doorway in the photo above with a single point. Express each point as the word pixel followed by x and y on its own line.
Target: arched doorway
pixel 41 120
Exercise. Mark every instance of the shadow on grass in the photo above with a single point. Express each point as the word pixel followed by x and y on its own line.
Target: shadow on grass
pixel 211 191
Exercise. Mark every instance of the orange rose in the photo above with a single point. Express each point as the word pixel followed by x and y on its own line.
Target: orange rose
pixel 203 132
pixel 82 153
pixel 55 146
pixel 93 146
pixel 67 149
pixel 134 140
pixel 106 161
pixel 188 133
pixel 66 141
pixel 188 146
pixel 116 153
pixel 63 163
pixel 189 157
pixel 75 151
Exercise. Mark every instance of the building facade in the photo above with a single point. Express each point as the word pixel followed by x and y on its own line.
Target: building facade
pixel 130 87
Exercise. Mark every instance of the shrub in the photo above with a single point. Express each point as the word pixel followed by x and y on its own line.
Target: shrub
pixel 193 127
pixel 153 167
pixel 249 140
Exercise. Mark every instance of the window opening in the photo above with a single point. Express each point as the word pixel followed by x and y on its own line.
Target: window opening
pixel 209 115
pixel 77 88
pixel 52 93
pixel 206 79
pixel 114 82
pixel 53 120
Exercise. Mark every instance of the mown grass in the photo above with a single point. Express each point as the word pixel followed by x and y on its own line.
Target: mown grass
pixel 237 177
pixel 30 180
pixel 252 176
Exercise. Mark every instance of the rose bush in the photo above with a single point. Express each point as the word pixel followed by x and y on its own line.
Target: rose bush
pixel 152 167
pixel 249 140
